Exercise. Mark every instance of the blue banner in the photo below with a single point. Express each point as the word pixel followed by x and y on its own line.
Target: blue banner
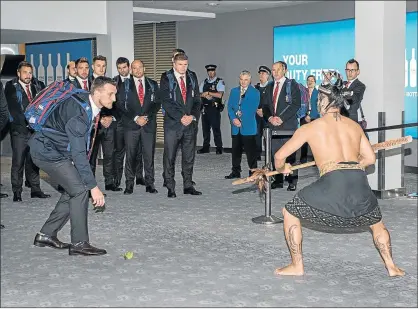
pixel 50 59
pixel 310 48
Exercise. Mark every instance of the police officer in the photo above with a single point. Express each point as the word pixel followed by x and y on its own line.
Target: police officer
pixel 211 92
pixel 264 74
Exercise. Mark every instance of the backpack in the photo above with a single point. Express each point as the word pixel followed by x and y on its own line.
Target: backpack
pixel 304 98
pixel 127 84
pixel 48 99
pixel 172 83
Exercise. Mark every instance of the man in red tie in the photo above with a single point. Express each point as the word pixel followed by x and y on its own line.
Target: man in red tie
pixel 82 79
pixel 139 114
pixel 19 92
pixel 279 110
pixel 180 99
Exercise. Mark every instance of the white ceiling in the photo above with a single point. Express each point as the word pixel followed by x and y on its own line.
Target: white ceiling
pixel 200 7
pixel 18 36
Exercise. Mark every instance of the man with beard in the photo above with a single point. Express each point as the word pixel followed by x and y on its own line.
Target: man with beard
pixel 19 93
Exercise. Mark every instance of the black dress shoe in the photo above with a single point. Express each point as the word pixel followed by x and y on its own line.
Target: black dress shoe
pixel 27 184
pixel 233 175
pixel 151 189
pixel 112 188
pixel 60 189
pixel 17 197
pixel 276 185
pixel 128 190
pixel 49 241
pixel 1 226
pixel 39 194
pixel 84 248
pixel 3 195
pixel 171 193
pixel 191 191
pixel 291 187
pixel 140 182
pixel 219 151
pixel 203 150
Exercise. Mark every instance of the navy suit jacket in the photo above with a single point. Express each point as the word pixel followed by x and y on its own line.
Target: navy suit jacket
pixel 67 138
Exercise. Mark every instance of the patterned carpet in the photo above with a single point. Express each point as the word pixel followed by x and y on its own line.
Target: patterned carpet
pixel 201 251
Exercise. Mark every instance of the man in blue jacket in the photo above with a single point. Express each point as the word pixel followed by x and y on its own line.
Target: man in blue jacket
pixel 243 103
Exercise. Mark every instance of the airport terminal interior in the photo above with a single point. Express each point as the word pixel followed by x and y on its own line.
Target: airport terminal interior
pixel 206 247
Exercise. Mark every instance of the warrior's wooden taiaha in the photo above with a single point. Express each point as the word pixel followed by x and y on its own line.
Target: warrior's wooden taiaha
pixel 259 176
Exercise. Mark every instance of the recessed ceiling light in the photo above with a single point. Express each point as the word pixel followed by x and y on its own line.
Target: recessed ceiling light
pixel 212 4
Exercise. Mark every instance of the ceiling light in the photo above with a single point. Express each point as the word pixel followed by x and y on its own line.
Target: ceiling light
pixel 212 4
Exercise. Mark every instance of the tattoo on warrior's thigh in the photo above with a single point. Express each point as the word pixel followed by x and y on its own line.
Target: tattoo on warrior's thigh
pixel 294 247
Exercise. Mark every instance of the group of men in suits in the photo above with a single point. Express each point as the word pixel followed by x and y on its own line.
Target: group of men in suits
pixel 249 112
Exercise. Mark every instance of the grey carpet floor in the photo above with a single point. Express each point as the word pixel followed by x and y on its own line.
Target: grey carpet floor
pixel 201 251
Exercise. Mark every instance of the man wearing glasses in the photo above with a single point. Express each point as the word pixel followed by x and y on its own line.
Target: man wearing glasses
pixel 356 87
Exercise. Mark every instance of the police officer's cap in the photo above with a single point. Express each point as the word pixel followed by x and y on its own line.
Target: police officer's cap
pixel 265 69
pixel 210 67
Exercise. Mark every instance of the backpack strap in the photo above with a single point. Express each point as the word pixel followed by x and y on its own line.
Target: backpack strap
pixel 288 86
pixel 172 85
pixel 19 95
pixel 126 84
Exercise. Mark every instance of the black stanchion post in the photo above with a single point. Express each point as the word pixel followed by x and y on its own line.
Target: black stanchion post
pixel 267 218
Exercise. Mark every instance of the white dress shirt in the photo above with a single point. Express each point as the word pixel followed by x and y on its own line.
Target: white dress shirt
pixel 24 87
pixel 178 75
pixel 81 81
pixel 136 81
pixel 281 82
pixel 94 107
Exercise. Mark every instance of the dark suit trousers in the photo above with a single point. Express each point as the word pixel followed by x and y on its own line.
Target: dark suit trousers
pixel 21 159
pixel 73 204
pixel 135 140
pixel 259 138
pixel 172 141
pixel 140 163
pixel 106 138
pixel 119 155
pixel 276 144
pixel 211 119
pixel 249 143
pixel 305 147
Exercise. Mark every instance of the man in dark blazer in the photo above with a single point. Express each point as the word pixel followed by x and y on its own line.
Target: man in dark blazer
pixel 140 124
pixel 4 119
pixel 62 152
pixel 182 108
pixel 280 112
pixel 355 87
pixel 177 51
pixel 105 136
pixel 19 92
pixel 123 67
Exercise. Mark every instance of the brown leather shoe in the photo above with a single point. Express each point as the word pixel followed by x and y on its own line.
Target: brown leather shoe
pixel 49 241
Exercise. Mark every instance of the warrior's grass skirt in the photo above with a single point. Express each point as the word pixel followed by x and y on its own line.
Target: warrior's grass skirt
pixel 340 198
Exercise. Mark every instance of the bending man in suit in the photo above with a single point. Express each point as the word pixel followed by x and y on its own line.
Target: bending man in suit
pixel 243 103
pixel 181 103
pixel 280 111
pixel 71 168
pixel 19 92
pixel 140 124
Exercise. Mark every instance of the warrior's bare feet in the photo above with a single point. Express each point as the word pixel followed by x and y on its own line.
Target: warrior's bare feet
pixel 395 271
pixel 290 270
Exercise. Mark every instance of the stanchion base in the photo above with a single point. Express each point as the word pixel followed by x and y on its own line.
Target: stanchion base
pixel 267 220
